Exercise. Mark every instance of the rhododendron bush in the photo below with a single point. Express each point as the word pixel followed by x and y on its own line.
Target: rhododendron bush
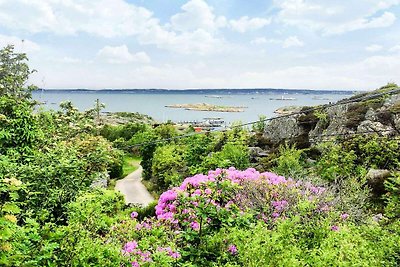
pixel 205 206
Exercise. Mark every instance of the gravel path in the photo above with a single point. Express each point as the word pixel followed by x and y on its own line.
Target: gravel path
pixel 133 189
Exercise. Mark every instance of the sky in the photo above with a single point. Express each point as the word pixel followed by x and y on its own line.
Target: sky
pixel 304 44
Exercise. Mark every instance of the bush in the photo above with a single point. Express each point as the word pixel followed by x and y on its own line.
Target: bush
pixel 168 165
pixel 293 244
pixel 289 162
pixel 392 197
pixel 230 155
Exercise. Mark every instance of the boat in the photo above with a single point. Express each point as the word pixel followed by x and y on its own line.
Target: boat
pixel 283 98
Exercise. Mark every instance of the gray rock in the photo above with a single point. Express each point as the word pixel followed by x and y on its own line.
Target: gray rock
pixel 375 179
pixel 101 181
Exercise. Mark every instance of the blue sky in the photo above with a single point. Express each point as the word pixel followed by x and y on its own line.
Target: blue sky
pixel 343 44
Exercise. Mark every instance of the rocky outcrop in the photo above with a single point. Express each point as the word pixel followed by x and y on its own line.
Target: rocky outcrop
pixel 381 116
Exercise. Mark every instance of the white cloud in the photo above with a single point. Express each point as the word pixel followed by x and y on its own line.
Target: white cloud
pixel 107 18
pixel 197 14
pixel 20 45
pixel 336 17
pixel 245 24
pixel 259 40
pixel 373 48
pixel 114 18
pixel 369 73
pixel 386 20
pixel 71 60
pixel 292 41
pixel 121 55
pixel 395 48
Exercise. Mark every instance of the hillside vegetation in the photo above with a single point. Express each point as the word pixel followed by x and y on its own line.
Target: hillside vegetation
pixel 232 198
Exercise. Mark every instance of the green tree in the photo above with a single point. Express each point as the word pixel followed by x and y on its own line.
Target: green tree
pixel 14 73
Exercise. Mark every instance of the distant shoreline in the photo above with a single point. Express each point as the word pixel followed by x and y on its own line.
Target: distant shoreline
pixel 201 91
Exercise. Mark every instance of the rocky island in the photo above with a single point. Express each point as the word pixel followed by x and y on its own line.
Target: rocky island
pixel 207 107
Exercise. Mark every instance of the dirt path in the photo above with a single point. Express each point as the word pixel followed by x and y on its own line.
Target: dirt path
pixel 133 189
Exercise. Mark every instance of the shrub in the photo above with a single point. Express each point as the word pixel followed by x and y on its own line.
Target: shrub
pixel 392 197
pixel 292 243
pixel 168 165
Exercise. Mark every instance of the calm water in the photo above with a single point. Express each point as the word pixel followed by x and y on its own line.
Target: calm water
pixel 153 103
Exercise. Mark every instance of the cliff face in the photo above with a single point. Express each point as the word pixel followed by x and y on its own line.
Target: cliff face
pixel 380 115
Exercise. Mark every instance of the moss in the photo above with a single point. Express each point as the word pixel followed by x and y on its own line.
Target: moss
pixel 355 115
pixel 384 89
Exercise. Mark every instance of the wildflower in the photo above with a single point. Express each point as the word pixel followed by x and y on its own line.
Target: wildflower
pixel 232 249
pixel 335 228
pixel 130 247
pixel 135 264
pixel 134 215
pixel 175 255
pixel 344 216
pixel 195 225
pixel 208 191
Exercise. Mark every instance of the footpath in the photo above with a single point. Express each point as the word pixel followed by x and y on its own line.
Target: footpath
pixel 133 189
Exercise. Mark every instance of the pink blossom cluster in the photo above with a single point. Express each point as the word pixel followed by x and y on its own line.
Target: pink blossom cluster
pixel 131 248
pixel 282 193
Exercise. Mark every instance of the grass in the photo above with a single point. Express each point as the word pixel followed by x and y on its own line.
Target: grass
pixel 131 164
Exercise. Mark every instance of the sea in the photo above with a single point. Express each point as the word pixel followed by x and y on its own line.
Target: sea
pixel 153 102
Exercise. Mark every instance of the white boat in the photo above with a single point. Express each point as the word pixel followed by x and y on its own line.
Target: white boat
pixel 283 98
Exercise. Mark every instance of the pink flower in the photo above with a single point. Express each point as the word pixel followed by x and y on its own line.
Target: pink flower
pixel 232 249
pixel 275 215
pixel 130 247
pixel 208 191
pixel 135 264
pixel 335 228
pixel 195 225
pixel 134 215
pixel 344 216
pixel 175 255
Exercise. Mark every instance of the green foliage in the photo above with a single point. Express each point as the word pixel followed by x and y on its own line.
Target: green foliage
pixel 392 197
pixel 336 162
pixel 9 210
pixel 55 174
pixel 125 131
pixel 146 212
pixel 322 117
pixel 259 127
pixel 168 165
pixel 14 73
pixel 289 161
pixel 18 126
pixel 146 147
pixel 230 155
pixel 165 131
pixel 295 244
pixel 95 211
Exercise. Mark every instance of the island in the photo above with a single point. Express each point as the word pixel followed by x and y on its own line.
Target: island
pixel 207 107
pixel 287 110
